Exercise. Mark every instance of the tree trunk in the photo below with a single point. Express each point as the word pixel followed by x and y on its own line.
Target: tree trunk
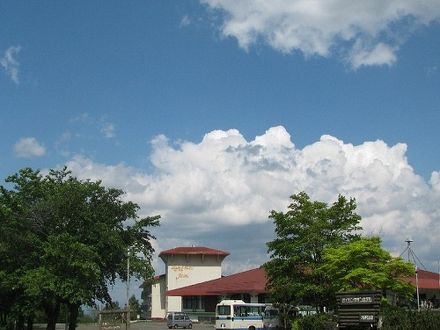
pixel 19 325
pixel 73 315
pixel 30 323
pixel 52 310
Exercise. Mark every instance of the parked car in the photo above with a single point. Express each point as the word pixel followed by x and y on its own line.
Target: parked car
pixel 178 320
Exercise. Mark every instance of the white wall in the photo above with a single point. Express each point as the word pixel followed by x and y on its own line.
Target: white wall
pixel 174 304
pixel 158 298
pixel 191 269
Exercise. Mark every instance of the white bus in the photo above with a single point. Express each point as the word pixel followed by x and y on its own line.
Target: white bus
pixel 238 315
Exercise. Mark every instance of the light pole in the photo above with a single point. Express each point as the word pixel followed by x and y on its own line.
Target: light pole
pixel 128 287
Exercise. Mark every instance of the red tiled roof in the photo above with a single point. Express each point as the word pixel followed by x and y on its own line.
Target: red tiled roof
pixel 251 281
pixel 426 280
pixel 194 250
pixel 255 281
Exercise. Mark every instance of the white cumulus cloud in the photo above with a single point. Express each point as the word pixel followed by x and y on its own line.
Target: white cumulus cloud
pixel 219 191
pixel 29 147
pixel 365 32
pixel 10 64
pixel 381 54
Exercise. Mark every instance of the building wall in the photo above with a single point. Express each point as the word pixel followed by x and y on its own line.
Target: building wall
pixel 158 298
pixel 174 304
pixel 184 270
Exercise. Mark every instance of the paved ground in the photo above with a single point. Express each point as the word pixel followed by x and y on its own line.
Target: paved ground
pixel 156 325
pixel 142 325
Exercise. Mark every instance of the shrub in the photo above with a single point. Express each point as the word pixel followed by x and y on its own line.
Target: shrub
pixel 403 319
pixel 314 322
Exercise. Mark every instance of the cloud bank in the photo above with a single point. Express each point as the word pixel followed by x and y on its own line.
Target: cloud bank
pixel 219 191
pixel 363 33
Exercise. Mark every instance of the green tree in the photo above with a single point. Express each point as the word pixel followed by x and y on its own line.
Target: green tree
pixel 135 307
pixel 18 252
pixel 363 264
pixel 76 233
pixel 302 235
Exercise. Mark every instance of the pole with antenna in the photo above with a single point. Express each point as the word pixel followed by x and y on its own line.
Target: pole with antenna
pixel 412 255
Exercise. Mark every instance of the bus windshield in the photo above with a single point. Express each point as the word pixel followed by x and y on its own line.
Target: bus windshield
pixel 224 310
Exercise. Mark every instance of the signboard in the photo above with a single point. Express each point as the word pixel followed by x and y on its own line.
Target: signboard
pixel 358 309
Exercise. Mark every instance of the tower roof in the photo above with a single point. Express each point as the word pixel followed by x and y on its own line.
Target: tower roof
pixel 194 250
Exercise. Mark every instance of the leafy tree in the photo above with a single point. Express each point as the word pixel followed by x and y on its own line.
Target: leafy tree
pixel 364 265
pixel 302 235
pixel 17 246
pixel 111 305
pixel 135 307
pixel 75 237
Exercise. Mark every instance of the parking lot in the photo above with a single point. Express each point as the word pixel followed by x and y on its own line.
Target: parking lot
pixel 161 325
pixel 141 325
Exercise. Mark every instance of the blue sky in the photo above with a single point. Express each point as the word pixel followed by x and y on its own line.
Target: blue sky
pixel 213 112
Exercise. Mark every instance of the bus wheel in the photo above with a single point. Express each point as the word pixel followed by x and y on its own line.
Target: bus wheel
pixel 251 327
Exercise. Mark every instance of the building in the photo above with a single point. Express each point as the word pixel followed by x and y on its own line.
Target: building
pixel 184 266
pixel 193 283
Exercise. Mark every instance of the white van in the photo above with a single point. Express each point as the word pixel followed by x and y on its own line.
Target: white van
pixel 178 320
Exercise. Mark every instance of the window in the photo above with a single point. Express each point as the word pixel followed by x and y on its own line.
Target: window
pixel 247 310
pixel 192 303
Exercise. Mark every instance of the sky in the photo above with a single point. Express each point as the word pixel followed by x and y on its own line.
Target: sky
pixel 212 113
